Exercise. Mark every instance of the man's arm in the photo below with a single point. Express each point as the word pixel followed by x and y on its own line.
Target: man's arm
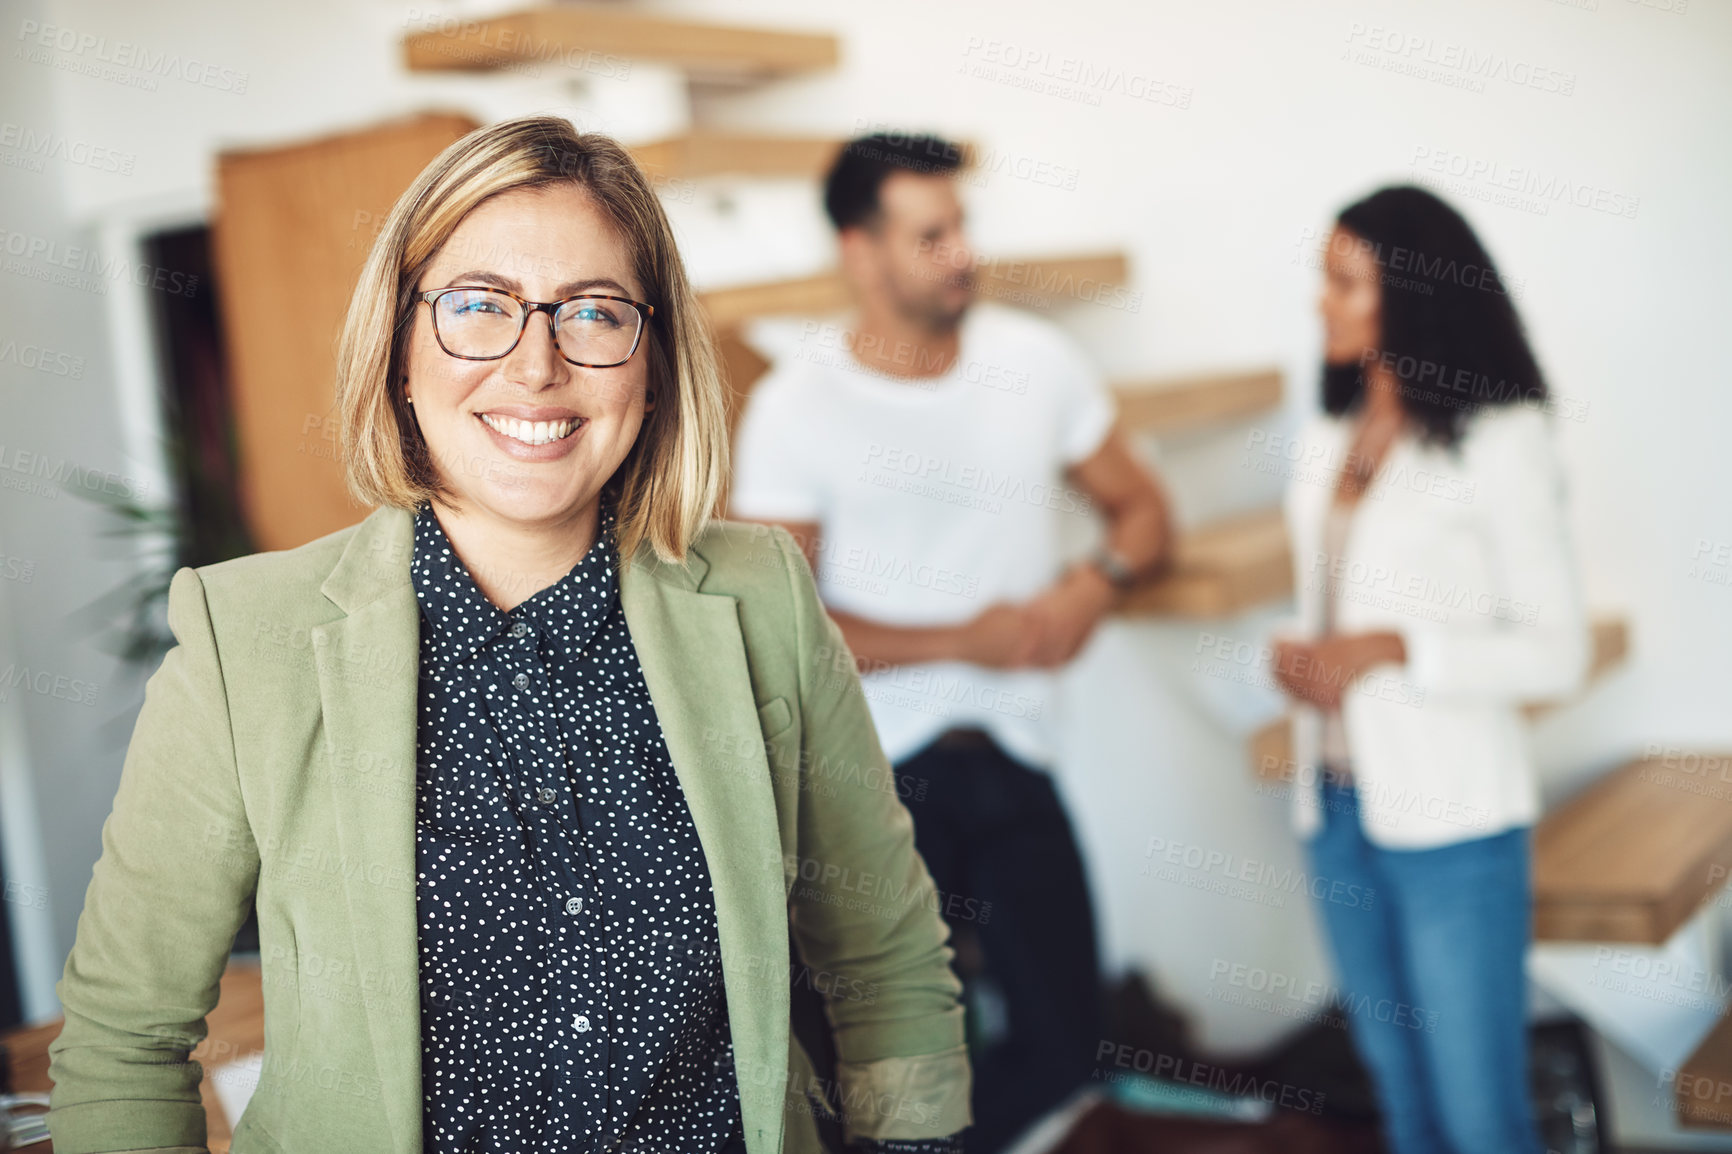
pixel 988 639
pixel 1132 501
pixel 1139 531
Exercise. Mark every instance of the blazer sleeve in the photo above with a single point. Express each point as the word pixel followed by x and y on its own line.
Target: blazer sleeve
pixel 1525 638
pixel 173 884
pixel 864 908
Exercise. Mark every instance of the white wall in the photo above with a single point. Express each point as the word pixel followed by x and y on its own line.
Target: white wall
pixel 1211 201
pixel 59 751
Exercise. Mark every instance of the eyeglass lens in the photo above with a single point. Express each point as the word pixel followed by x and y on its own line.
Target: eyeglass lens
pixel 484 323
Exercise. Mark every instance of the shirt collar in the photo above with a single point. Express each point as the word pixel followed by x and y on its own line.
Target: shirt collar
pixel 462 620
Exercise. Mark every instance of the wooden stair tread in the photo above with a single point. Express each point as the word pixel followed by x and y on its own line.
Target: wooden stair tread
pixel 711 153
pixel 715 152
pixel 1173 405
pixel 1632 857
pixel 554 35
pixel 1221 569
pixel 1028 280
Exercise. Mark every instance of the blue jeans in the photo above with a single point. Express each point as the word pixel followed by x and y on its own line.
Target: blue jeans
pixel 1432 983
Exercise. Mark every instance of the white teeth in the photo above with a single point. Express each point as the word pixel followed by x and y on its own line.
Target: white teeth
pixel 532 432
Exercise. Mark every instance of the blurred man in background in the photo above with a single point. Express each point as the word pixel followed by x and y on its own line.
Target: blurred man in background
pixel 924 455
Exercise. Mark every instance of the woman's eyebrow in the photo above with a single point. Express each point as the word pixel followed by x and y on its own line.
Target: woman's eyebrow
pixel 570 288
pixel 573 287
pixel 482 276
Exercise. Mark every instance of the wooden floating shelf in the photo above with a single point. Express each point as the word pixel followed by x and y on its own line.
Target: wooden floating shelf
pixel 1272 745
pixel 1033 282
pixel 580 37
pixel 712 153
pixel 1045 282
pixel 1221 569
pixel 701 154
pixel 814 296
pixel 1191 402
pixel 1634 855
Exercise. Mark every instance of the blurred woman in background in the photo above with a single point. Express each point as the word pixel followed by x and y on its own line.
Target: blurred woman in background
pixel 1436 595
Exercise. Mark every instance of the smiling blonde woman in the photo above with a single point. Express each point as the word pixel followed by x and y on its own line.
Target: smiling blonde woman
pixel 539 775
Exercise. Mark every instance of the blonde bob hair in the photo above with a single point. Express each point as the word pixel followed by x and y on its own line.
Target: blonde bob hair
pixel 674 476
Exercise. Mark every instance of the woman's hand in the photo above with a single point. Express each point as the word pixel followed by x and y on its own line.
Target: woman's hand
pixel 1319 672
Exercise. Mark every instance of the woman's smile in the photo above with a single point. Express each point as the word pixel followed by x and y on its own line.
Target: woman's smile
pixel 533 435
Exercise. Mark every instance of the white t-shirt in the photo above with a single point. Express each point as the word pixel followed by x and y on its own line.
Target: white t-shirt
pixel 936 497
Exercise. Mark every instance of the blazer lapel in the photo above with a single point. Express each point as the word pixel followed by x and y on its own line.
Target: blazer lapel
pixel 693 658
pixel 367 663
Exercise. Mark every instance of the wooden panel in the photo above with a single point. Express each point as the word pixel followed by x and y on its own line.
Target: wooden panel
pixel 715 153
pixel 1168 406
pixel 578 36
pixel 1632 857
pixel 1703 1088
pixel 1221 569
pixel 742 365
pixel 1024 281
pixel 292 229
pixel 1272 745
pixel 236 1028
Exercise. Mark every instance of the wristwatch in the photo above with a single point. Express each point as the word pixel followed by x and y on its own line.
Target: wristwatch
pixel 1117 570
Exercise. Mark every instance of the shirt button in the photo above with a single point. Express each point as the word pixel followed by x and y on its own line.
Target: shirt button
pixel 582 1024
pixel 574 905
pixel 518 629
pixel 520 680
pixel 546 796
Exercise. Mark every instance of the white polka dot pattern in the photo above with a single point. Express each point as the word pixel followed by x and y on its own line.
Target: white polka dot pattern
pixel 571 978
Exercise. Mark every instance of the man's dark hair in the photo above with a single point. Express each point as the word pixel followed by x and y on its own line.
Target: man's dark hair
pixel 1450 334
pixel 851 188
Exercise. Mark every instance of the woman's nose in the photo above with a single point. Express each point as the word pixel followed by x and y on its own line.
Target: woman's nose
pixel 536 359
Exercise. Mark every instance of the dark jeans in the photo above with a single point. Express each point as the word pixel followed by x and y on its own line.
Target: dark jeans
pixel 1429 945
pixel 1012 888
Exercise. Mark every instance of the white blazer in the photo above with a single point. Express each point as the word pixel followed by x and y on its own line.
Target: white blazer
pixel 1466 554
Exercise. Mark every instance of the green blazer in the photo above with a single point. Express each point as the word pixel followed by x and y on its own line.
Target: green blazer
pixel 273 763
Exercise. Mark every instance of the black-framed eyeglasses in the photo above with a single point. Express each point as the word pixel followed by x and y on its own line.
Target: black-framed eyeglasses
pixel 593 330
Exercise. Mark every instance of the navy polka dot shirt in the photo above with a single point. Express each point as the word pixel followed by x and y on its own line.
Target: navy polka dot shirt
pixel 571 979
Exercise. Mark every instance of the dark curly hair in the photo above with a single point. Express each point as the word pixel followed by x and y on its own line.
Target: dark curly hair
pixel 1450 333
